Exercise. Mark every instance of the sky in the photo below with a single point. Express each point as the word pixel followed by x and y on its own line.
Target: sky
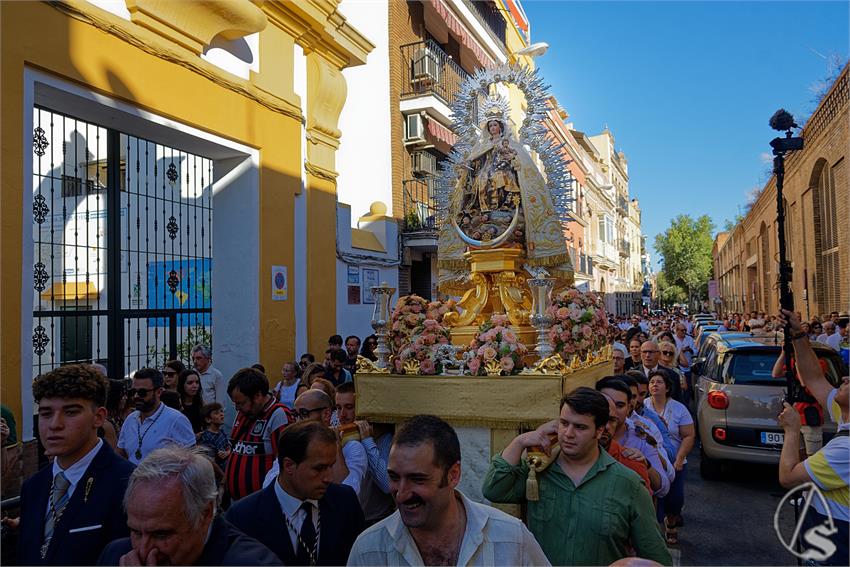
pixel 687 89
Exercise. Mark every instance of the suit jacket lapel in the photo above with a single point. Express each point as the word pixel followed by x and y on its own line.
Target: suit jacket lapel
pixel 329 531
pixel 273 526
pixel 79 499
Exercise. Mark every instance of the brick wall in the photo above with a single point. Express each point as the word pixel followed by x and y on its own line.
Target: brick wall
pixel 827 139
pixel 406 25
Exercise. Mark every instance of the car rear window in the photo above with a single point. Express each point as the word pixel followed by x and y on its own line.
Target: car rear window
pixel 756 367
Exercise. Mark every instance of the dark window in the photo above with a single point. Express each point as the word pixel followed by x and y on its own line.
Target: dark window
pixel 76 335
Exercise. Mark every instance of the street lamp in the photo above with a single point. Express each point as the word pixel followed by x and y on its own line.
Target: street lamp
pixel 782 121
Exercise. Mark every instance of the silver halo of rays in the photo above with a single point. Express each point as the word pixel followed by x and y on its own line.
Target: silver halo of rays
pixel 533 133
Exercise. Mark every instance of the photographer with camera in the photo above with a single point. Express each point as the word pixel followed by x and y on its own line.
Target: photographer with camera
pixel 828 468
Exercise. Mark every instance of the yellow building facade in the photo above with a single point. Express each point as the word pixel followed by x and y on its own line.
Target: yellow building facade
pixel 255 89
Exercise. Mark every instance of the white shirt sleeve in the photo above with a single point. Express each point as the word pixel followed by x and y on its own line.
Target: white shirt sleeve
pixel 181 431
pixel 357 463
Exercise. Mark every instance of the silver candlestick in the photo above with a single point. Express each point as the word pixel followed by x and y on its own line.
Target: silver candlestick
pixel 380 322
pixel 541 301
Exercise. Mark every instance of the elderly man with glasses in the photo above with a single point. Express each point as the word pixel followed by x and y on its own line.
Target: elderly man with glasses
pixel 153 424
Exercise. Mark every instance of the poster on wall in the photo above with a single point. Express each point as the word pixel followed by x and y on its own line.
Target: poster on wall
pixel 370 280
pixel 175 284
pixel 354 295
pixel 353 275
pixel 280 283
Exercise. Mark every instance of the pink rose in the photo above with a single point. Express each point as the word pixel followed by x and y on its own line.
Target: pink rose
pixel 489 353
pixel 499 319
pixel 562 313
pixel 427 366
pixel 474 366
pixel 416 308
pixel 587 331
pixel 506 363
pixel 509 336
pixel 430 324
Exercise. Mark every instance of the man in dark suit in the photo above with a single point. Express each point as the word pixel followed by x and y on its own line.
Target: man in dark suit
pixel 70 510
pixel 302 500
pixel 170 502
pixel 650 357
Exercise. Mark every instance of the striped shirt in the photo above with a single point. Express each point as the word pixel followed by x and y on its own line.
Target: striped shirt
pixel 254 443
pixel 829 468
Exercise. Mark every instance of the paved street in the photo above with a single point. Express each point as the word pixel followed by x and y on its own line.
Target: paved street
pixel 730 522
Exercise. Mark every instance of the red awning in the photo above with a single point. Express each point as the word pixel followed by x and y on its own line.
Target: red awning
pixel 440 132
pixel 458 29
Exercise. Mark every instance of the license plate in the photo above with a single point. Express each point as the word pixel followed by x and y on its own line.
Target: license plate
pixel 770 438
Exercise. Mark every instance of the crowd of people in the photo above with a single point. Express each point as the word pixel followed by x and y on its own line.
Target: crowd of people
pixel 151 474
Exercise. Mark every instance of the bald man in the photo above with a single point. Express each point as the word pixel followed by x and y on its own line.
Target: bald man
pixel 352 462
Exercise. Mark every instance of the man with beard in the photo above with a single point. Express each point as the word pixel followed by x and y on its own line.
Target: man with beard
pixel 303 517
pixel 583 481
pixel 153 424
pixel 435 524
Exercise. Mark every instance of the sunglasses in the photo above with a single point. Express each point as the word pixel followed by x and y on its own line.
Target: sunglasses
pixel 667 352
pixel 304 413
pixel 140 392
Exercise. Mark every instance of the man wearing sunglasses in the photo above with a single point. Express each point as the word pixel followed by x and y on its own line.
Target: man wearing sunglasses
pixel 153 424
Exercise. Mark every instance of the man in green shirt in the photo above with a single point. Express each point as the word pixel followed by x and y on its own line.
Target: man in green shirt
pixel 592 510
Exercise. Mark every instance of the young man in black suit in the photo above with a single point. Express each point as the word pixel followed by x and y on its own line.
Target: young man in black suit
pixel 69 510
pixel 303 500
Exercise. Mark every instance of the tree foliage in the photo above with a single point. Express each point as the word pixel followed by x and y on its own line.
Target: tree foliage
pixel 685 249
pixel 669 293
pixel 730 224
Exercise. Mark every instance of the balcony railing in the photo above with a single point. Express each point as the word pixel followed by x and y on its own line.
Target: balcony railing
pixel 420 209
pixel 427 69
pixel 488 14
pixel 623 204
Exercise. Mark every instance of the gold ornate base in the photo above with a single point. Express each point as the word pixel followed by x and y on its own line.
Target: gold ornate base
pixel 498 286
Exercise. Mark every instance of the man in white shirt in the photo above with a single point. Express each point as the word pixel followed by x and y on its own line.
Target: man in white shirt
pixel 153 424
pixel 835 339
pixel 213 383
pixel 435 524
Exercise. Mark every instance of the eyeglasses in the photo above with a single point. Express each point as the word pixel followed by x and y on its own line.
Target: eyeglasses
pixel 667 352
pixel 140 392
pixel 304 413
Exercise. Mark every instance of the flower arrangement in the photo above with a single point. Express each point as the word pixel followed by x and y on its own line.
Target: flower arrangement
pixel 581 324
pixel 416 334
pixel 495 350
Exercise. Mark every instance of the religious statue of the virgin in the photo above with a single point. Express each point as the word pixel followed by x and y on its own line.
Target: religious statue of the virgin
pixel 499 199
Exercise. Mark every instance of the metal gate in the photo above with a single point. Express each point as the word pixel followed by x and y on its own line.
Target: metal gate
pixel 122 258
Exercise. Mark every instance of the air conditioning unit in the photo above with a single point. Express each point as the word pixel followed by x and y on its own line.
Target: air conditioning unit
pixel 425 66
pixel 414 129
pixel 424 163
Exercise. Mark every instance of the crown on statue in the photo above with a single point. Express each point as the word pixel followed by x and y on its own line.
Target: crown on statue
pixel 495 107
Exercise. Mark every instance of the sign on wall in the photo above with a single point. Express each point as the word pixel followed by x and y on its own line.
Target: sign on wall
pixel 280 283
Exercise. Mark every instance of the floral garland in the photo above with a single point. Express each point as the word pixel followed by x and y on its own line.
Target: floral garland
pixel 495 349
pixel 417 332
pixel 581 324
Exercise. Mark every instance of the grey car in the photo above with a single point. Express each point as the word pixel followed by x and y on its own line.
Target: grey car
pixel 737 400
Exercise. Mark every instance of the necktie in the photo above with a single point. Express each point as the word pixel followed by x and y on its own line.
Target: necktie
pixel 58 499
pixel 307 537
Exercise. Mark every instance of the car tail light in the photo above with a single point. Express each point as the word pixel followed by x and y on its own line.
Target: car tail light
pixel 719 434
pixel 718 400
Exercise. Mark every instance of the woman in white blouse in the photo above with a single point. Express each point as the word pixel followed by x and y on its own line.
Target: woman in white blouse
pixel 681 426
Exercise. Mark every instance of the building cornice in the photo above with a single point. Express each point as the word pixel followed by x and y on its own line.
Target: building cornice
pixel 154 44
